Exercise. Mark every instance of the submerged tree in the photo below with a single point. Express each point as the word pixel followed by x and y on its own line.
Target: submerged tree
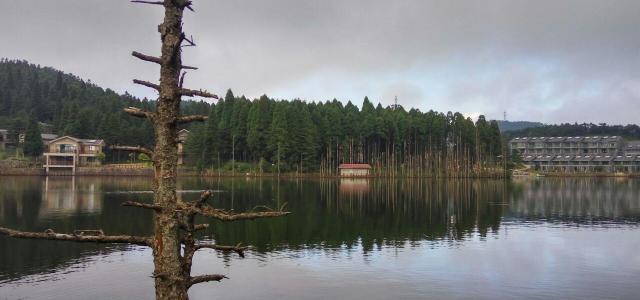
pixel 173 242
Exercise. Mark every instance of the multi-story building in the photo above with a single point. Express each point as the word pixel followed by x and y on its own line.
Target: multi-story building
pixel 578 145
pixel 68 153
pixel 578 154
pixel 632 148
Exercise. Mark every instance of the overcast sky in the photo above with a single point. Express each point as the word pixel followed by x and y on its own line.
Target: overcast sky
pixel 550 61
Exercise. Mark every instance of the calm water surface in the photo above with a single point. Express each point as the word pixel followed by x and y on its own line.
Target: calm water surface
pixel 346 239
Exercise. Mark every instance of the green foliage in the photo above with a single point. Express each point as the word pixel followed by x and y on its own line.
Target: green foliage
pixel 73 106
pixel 144 157
pixel 271 135
pixel 240 167
pixel 32 140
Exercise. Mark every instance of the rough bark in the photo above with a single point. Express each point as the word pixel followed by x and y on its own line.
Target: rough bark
pixel 167 257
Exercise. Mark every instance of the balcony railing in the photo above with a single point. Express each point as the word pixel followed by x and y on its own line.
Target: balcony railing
pixel 60 163
pixel 63 151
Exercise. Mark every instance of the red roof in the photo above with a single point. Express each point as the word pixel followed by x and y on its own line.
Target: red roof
pixel 354 166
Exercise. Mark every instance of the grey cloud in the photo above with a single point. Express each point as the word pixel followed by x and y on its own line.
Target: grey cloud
pixel 257 47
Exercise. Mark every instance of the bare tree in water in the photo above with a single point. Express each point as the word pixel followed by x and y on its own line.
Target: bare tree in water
pixel 173 241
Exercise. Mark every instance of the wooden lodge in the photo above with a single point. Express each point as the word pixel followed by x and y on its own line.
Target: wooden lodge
pixel 68 153
pixel 354 170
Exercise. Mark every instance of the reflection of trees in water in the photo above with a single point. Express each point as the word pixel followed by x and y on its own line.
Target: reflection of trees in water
pixel 576 200
pixel 329 214
pixel 25 203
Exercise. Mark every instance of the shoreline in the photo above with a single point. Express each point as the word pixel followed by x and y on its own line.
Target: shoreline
pixel 148 172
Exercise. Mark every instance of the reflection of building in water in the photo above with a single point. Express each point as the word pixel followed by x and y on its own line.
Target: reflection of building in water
pixel 354 185
pixel 352 170
pixel 66 196
pixel 576 199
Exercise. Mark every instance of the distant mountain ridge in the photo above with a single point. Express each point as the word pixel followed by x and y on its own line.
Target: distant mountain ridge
pixel 516 125
pixel 630 131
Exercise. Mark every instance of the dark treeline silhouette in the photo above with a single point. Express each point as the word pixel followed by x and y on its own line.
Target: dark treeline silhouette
pixel 281 136
pixel 516 125
pixel 263 135
pixel 567 129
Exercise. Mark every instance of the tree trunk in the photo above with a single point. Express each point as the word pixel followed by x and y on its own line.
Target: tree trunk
pixel 170 280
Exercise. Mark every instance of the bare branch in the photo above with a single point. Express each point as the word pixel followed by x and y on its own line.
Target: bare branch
pixel 224 215
pixel 237 248
pixel 182 78
pixel 147 84
pixel 190 41
pixel 148 2
pixel 201 93
pixel 191 118
pixel 159 275
pixel 187 5
pixel 142 205
pixel 156 60
pixel 183 92
pixel 81 236
pixel 206 278
pixel 133 149
pixel 200 226
pixel 146 57
pixel 88 232
pixel 136 112
pixel 203 198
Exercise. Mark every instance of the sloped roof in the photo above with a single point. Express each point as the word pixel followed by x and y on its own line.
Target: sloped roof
pixel 91 142
pixel 354 166
pixel 612 138
pixel 77 140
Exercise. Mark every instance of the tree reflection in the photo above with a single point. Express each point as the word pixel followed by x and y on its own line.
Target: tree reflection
pixel 328 215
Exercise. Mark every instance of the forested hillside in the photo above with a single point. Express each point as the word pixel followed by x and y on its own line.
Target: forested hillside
pixel 516 125
pixel 267 133
pixel 71 105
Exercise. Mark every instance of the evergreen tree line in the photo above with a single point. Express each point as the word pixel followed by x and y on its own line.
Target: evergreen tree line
pixel 285 136
pixel 266 135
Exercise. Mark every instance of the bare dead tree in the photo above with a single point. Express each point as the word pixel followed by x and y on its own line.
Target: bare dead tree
pixel 173 242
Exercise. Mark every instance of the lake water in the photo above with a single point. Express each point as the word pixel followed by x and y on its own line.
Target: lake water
pixel 544 238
